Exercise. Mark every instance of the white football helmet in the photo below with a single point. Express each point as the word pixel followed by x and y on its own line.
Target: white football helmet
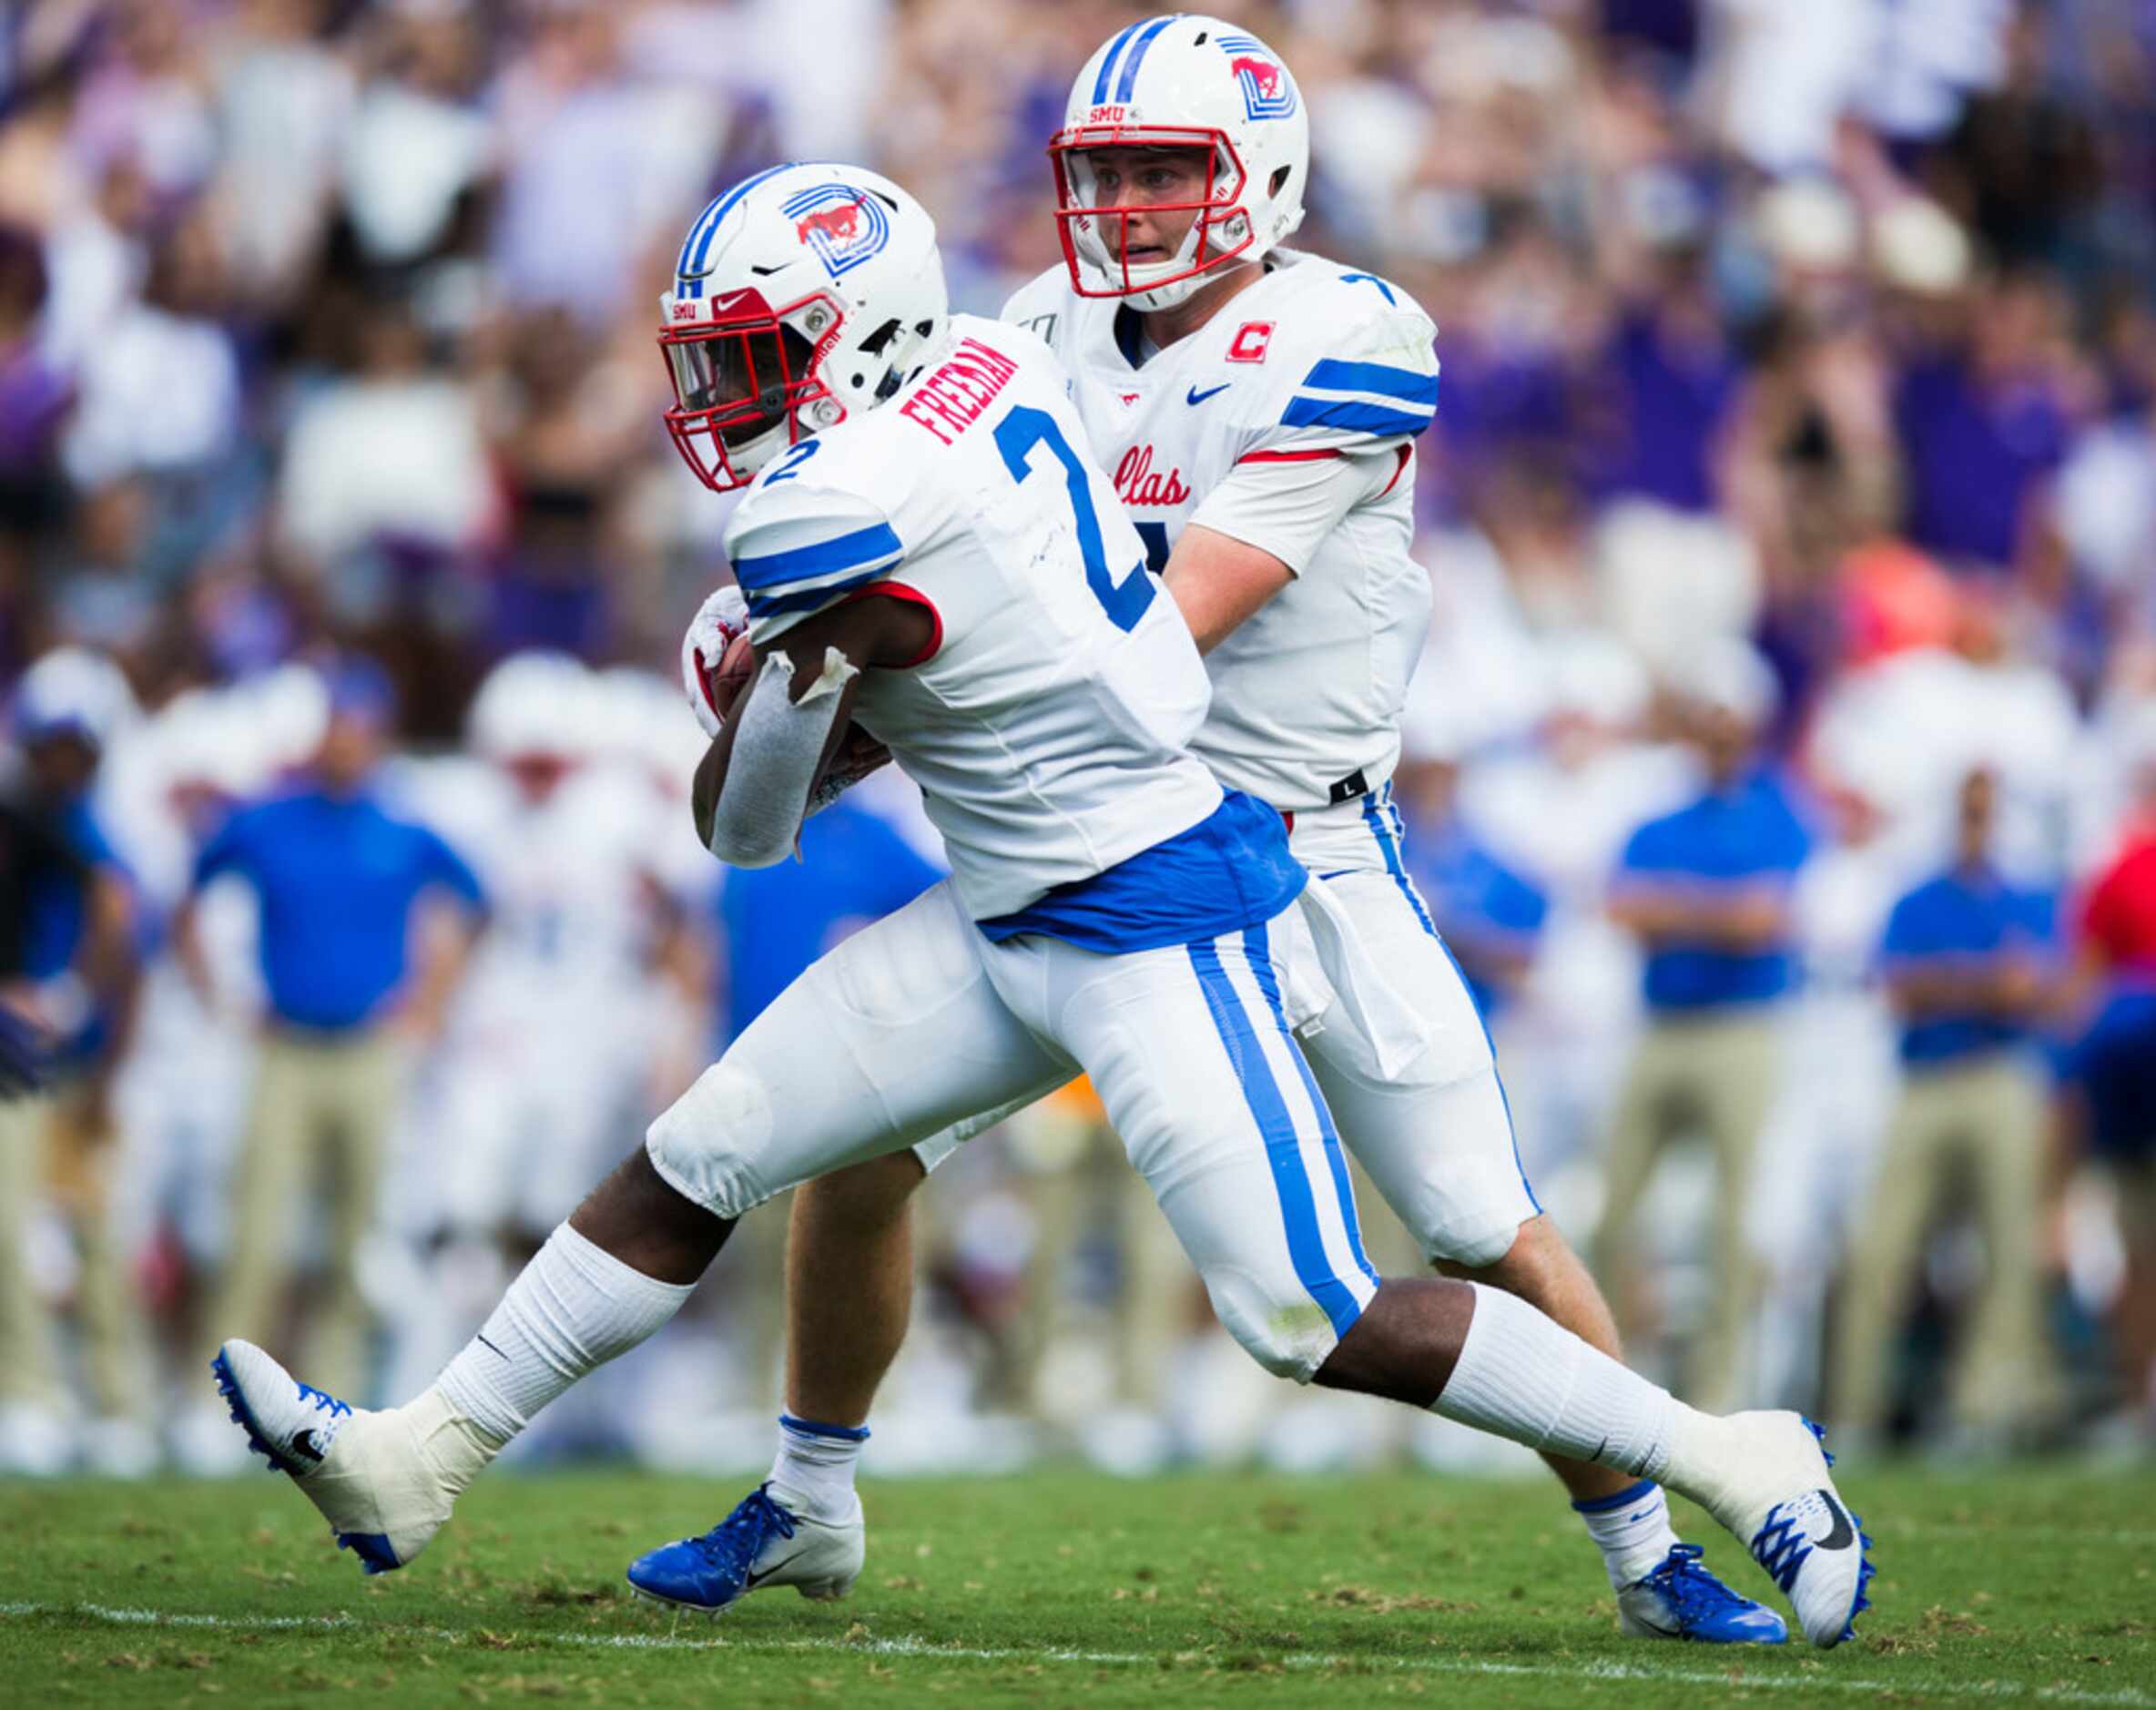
pixel 1182 82
pixel 532 705
pixel 802 294
pixel 73 692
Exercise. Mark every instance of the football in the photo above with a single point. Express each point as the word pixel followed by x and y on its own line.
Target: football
pixel 726 679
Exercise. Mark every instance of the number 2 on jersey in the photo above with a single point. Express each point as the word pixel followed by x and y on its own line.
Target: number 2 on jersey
pixel 1018 435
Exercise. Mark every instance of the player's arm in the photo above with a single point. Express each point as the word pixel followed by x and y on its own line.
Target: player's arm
pixel 1741 917
pixel 1217 581
pixel 1257 531
pixel 753 783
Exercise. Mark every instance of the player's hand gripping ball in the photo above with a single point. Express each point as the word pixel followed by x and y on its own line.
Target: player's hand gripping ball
pixel 715 658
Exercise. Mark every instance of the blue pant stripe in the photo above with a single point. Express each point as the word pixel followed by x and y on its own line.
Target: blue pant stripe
pixel 1505 1098
pixel 1257 952
pixel 1375 821
pixel 1387 848
pixel 1291 1182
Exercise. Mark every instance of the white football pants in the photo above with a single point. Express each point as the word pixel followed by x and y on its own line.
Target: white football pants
pixel 1436 1138
pixel 917 1023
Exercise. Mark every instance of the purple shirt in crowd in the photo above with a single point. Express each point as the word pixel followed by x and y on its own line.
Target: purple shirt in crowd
pixel 1974 458
pixel 1663 402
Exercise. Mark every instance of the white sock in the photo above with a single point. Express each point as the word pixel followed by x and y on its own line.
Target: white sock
pixel 813 1474
pixel 572 1309
pixel 1632 1530
pixel 1523 1377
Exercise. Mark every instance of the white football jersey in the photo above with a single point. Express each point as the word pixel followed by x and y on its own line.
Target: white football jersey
pixel 1048 725
pixel 1314 361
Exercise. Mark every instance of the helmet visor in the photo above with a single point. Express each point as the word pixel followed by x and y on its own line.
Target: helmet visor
pixel 738 378
pixel 734 389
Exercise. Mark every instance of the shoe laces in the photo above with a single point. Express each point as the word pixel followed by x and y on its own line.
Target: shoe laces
pixel 324 1402
pixel 1781 1546
pixel 1694 1592
pixel 733 1544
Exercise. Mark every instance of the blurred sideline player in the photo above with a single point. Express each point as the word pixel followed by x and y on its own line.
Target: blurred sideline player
pixel 544 1054
pixel 68 969
pixel 925 544
pixel 1258 407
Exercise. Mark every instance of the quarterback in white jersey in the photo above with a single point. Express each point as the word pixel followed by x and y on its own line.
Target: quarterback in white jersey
pixel 1256 408
pixel 1286 421
pixel 955 584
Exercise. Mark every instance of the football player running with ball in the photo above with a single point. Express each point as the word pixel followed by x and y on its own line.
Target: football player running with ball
pixel 926 545
pixel 1256 407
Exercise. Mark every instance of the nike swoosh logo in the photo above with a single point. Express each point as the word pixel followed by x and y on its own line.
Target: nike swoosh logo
pixel 720 305
pixel 1842 1535
pixel 1195 396
pixel 755 1580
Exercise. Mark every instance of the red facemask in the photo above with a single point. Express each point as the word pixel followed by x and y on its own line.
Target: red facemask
pixel 1077 216
pixel 738 378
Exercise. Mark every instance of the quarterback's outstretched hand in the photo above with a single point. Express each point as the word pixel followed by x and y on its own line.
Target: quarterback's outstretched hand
pixel 721 621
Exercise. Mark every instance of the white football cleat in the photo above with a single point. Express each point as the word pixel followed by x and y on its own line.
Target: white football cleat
pixel 762 1543
pixel 1765 1476
pixel 371 1474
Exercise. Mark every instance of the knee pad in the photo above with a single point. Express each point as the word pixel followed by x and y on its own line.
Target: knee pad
pixel 710 1142
pixel 1285 1331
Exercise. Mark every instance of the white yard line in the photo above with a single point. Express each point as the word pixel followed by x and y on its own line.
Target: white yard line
pixel 1824 1681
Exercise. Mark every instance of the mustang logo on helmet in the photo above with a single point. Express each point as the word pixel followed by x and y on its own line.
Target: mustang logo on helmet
pixel 844 225
pixel 1267 91
pixel 841 225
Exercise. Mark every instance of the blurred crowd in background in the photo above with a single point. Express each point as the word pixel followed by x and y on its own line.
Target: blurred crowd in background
pixel 1782 768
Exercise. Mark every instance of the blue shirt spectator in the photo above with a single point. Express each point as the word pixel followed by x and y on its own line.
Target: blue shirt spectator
pixel 337 878
pixel 1490 915
pixel 60 917
pixel 1745 834
pixel 854 869
pixel 1968 921
pixel 59 909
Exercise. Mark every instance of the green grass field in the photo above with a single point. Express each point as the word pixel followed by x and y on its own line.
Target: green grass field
pixel 1052 1588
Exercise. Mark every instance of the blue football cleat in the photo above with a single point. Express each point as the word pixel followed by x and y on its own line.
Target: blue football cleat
pixel 1682 1599
pixel 761 1543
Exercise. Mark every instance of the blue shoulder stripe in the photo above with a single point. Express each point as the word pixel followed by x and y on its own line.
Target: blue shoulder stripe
pixel 1353 417
pixel 762 604
pixel 874 545
pixel 1100 84
pixel 1137 53
pixel 1406 384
